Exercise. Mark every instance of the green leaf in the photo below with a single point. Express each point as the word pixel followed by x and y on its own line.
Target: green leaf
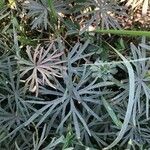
pixel 52 11
pixel 124 32
pixel 111 113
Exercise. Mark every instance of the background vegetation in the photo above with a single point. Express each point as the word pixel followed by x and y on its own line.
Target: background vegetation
pixel 74 74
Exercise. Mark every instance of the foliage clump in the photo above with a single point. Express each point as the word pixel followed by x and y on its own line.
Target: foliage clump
pixel 67 82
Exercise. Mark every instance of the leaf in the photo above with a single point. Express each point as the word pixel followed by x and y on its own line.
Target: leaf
pixel 52 11
pixel 43 65
pixel 54 143
pixel 35 115
pixel 130 102
pixel 124 32
pixel 100 13
pixel 38 12
pixel 111 113
pixel 17 147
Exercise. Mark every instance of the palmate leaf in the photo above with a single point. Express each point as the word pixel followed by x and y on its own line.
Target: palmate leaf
pixel 39 12
pixel 13 111
pixel 102 14
pixel 99 130
pixel 44 13
pixel 41 141
pixel 81 93
pixel 142 79
pixel 139 133
pixel 38 141
pixel 13 92
pixel 43 65
pixel 76 95
pixel 10 120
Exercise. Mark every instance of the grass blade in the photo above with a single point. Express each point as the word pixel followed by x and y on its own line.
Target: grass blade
pixel 124 32
pixel 130 102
